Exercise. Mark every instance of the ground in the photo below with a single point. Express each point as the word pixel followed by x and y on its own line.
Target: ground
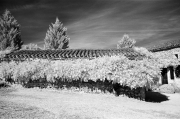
pixel 21 103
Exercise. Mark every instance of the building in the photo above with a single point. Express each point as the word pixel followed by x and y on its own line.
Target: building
pixel 168 75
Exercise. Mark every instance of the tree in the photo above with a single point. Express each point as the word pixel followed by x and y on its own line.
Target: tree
pixel 126 42
pixel 56 37
pixel 10 35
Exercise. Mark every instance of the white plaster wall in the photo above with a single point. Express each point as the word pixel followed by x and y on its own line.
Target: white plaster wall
pixel 169 76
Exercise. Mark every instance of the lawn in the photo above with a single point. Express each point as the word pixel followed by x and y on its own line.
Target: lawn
pixel 49 103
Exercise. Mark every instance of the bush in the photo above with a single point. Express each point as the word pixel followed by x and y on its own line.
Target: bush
pixel 176 87
pixel 3 84
pixel 116 68
pixel 30 46
pixel 4 52
pixel 167 88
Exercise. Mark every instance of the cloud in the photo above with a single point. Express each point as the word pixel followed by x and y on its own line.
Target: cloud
pixel 109 24
pixel 23 7
pixel 99 23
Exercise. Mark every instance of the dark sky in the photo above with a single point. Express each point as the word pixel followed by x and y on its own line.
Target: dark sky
pixel 98 23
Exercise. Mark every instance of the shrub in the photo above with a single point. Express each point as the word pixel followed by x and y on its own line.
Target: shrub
pixel 167 88
pixel 4 52
pixel 115 68
pixel 31 46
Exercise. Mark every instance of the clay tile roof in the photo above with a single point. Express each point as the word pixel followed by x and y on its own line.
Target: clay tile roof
pixel 167 45
pixel 70 54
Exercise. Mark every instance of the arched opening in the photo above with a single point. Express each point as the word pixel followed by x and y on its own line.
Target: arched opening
pixel 164 76
pixel 177 71
pixel 171 68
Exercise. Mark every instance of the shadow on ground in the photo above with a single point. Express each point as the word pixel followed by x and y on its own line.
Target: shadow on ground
pixel 155 97
pixel 3 84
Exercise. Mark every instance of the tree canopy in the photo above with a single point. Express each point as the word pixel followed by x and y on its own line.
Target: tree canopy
pixel 10 34
pixel 56 36
pixel 126 42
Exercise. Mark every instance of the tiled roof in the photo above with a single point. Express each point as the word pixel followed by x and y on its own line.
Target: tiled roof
pixel 70 54
pixel 168 45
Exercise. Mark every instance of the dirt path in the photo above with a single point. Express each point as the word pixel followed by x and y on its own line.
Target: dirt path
pixel 78 105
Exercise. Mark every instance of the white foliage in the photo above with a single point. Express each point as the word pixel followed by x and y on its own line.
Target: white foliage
pixel 133 73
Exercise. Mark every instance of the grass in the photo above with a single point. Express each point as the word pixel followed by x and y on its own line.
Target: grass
pixel 11 110
pixel 63 104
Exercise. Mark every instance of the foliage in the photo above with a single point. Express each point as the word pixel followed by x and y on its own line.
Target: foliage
pixel 7 70
pixel 56 36
pixel 126 42
pixel 143 51
pixel 10 35
pixel 4 52
pixel 166 58
pixel 31 46
pixel 116 68
pixel 167 88
pixel 163 59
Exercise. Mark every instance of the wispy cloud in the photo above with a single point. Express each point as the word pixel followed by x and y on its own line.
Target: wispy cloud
pixel 99 23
